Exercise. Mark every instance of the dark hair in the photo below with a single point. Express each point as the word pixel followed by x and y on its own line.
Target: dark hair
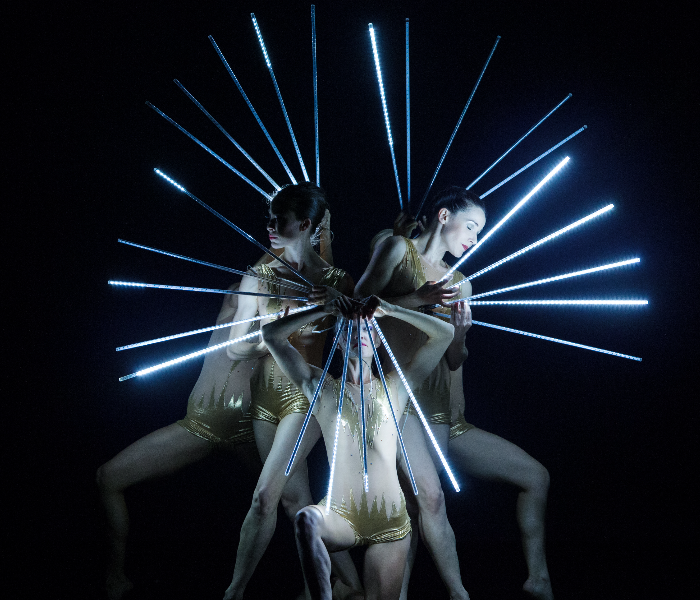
pixel 455 199
pixel 306 200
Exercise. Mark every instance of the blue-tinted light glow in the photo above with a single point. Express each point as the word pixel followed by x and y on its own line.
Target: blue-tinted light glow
pixel 340 411
pixel 557 278
pixel 279 95
pixel 250 105
pixel 416 406
pixel 210 151
pixel 535 126
pixel 238 229
pixel 181 359
pixel 385 110
pixel 459 122
pixel 362 406
pixel 214 327
pixel 559 302
pixel 226 133
pixel 319 387
pixel 551 236
pixel 393 413
pixel 498 225
pixel 528 165
pixel 315 75
pixel 198 289
pixel 408 128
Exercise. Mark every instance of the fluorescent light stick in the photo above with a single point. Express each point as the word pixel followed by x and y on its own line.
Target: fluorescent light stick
pixel 197 289
pixel 208 149
pixel 362 407
pixel 385 110
pixel 177 361
pixel 459 122
pixel 226 133
pixel 319 387
pixel 542 120
pixel 416 406
pixel 313 52
pixel 340 412
pixel 528 165
pixel 279 94
pixel 250 105
pixel 517 207
pixel 214 327
pixel 408 128
pixel 560 302
pixel 393 414
pixel 230 224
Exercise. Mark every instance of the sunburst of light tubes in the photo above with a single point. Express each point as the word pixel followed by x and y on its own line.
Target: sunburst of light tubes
pixel 304 286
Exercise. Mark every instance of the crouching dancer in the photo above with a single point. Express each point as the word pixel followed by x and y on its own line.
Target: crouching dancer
pixel 377 517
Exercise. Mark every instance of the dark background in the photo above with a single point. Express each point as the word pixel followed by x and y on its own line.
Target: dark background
pixel 616 435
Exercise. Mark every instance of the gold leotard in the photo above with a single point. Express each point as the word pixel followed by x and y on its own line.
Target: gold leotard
pixel 273 395
pixel 217 409
pixel 433 395
pixel 370 525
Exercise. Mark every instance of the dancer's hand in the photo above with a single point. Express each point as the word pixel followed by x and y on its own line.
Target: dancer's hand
pixel 461 318
pixel 342 306
pixel 404 224
pixel 322 294
pixel 374 307
pixel 434 292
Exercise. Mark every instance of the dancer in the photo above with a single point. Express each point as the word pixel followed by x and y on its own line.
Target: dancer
pixel 278 407
pixel 406 273
pixel 217 418
pixel 376 517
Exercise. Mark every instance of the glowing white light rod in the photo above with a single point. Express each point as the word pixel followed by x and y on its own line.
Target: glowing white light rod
pixel 214 327
pixel 208 149
pixel 408 128
pixel 393 414
pixel 560 302
pixel 362 407
pixel 542 120
pixel 385 110
pixel 233 226
pixel 528 165
pixel 416 406
pixel 250 105
pixel 556 278
pixel 459 122
pixel 197 289
pixel 319 387
pixel 551 236
pixel 551 339
pixel 313 51
pixel 287 283
pixel 226 133
pixel 279 94
pixel 180 359
pixel 513 210
pixel 340 412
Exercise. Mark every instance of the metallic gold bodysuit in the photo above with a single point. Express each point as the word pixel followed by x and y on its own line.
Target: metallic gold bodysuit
pixel 273 394
pixel 371 525
pixel 217 409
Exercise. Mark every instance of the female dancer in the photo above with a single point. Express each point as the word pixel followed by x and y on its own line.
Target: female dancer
pixel 217 418
pixel 278 407
pixel 371 513
pixel 405 271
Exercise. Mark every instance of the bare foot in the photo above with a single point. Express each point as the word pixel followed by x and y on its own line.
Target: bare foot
pixel 117 585
pixel 232 594
pixel 539 588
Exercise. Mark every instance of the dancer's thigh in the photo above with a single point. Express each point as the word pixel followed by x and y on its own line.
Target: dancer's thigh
pixel 384 568
pixel 425 463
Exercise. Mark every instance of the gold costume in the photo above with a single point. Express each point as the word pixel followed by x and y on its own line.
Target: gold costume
pixel 370 525
pixel 433 395
pixel 459 426
pixel 373 526
pixel 273 394
pixel 217 409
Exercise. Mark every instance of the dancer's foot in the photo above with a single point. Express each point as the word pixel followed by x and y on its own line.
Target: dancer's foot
pixel 539 588
pixel 117 586
pixel 232 594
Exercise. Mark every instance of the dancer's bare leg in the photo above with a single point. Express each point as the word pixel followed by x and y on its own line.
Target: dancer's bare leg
pixel 487 456
pixel 435 530
pixel 296 495
pixel 160 453
pixel 261 520
pixel 412 509
pixel 383 569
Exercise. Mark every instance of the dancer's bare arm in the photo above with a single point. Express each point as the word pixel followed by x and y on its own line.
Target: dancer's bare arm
pixel 247 309
pixel 461 319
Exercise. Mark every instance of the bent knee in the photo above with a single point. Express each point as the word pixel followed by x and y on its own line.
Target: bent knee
pixel 538 479
pixel 432 500
pixel 104 478
pixel 265 501
pixel 307 523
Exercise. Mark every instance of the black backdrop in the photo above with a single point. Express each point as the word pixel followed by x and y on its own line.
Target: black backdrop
pixel 616 435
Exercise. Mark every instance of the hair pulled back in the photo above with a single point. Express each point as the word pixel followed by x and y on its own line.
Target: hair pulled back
pixel 455 199
pixel 306 200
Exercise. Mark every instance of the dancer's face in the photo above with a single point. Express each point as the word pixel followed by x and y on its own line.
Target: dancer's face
pixel 284 228
pixel 364 344
pixel 461 229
